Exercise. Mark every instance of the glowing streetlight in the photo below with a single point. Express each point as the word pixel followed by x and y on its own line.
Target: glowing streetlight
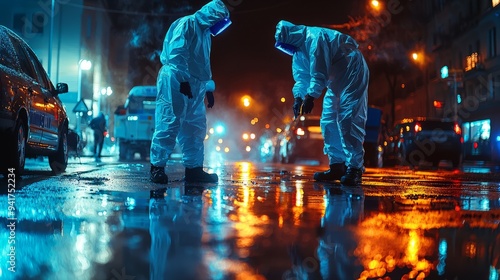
pixel 105 92
pixel 246 101
pixel 219 129
pixel 375 5
pixel 414 56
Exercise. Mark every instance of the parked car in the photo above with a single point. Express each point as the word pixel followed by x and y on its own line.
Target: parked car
pixel 135 122
pixel 415 140
pixel 302 140
pixel 33 121
pixel 373 135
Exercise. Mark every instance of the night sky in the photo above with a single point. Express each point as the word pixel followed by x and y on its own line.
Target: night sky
pixel 244 59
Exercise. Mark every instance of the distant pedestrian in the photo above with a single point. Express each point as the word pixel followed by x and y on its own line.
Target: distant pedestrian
pixel 98 124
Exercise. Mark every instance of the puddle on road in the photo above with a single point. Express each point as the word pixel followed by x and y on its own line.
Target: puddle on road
pixel 258 225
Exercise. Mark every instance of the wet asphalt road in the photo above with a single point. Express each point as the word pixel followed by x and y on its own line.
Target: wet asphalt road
pixel 261 221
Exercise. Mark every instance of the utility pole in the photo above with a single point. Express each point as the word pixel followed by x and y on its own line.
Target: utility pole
pixel 457 78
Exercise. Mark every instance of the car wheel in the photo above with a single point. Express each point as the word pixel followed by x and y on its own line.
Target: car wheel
pixel 146 152
pixel 288 157
pixel 371 155
pixel 123 150
pixel 404 158
pixel 17 150
pixel 59 161
pixel 455 162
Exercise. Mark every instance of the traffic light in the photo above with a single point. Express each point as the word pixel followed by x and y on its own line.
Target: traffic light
pixel 444 72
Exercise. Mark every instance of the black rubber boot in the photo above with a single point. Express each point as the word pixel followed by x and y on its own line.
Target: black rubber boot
pixel 157 175
pixel 352 177
pixel 199 176
pixel 336 171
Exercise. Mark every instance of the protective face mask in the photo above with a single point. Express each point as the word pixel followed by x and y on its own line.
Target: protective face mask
pixel 220 26
pixel 286 48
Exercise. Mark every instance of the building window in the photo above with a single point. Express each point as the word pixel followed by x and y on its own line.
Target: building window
pixel 496 88
pixel 492 42
pixel 491 87
pixel 460 61
pixel 471 61
pixel 20 23
pixel 495 2
pixel 38 21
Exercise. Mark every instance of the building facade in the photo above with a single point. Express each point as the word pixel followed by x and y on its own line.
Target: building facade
pixel 463 41
pixel 460 74
pixel 63 33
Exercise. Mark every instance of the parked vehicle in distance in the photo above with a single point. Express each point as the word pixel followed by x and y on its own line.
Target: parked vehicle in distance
pixel 415 140
pixel 33 121
pixel 135 122
pixel 302 140
pixel 373 135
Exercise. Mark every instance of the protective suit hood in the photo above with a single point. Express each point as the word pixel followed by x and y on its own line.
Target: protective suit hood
pixel 211 13
pixel 291 34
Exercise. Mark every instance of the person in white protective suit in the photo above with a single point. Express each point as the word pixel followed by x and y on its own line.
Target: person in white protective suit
pixel 326 58
pixel 183 82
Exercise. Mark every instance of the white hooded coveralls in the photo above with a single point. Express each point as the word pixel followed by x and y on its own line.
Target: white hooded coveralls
pixel 326 58
pixel 185 58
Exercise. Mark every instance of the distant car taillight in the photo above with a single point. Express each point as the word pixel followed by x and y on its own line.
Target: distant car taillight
pixel 300 132
pixel 418 128
pixel 458 129
pixel 121 111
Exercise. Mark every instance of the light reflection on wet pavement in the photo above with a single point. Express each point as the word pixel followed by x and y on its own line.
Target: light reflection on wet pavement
pixel 262 221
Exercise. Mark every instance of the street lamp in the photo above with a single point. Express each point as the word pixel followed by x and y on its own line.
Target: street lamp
pixel 445 72
pixel 105 92
pixel 246 100
pixel 83 64
pixel 375 6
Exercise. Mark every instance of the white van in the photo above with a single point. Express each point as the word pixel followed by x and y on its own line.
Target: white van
pixel 135 122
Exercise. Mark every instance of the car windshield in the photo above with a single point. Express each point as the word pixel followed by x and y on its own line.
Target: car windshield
pixel 142 105
pixel 432 125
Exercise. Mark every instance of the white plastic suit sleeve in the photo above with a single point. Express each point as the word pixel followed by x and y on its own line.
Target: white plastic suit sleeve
pixel 320 58
pixel 210 86
pixel 176 51
pixel 301 75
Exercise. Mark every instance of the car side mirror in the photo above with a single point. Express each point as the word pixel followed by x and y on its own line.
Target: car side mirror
pixel 61 88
